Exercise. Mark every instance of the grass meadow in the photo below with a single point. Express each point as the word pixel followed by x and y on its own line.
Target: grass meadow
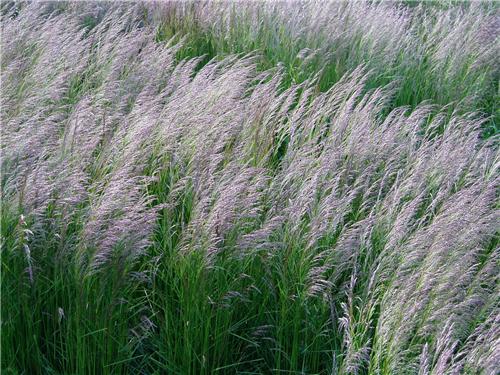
pixel 250 187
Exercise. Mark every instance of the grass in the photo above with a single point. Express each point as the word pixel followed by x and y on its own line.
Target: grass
pixel 193 188
pixel 416 73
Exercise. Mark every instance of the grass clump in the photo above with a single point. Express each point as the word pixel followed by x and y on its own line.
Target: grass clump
pixel 203 188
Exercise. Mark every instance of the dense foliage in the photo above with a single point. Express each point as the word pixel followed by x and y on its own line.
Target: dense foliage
pixel 249 187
